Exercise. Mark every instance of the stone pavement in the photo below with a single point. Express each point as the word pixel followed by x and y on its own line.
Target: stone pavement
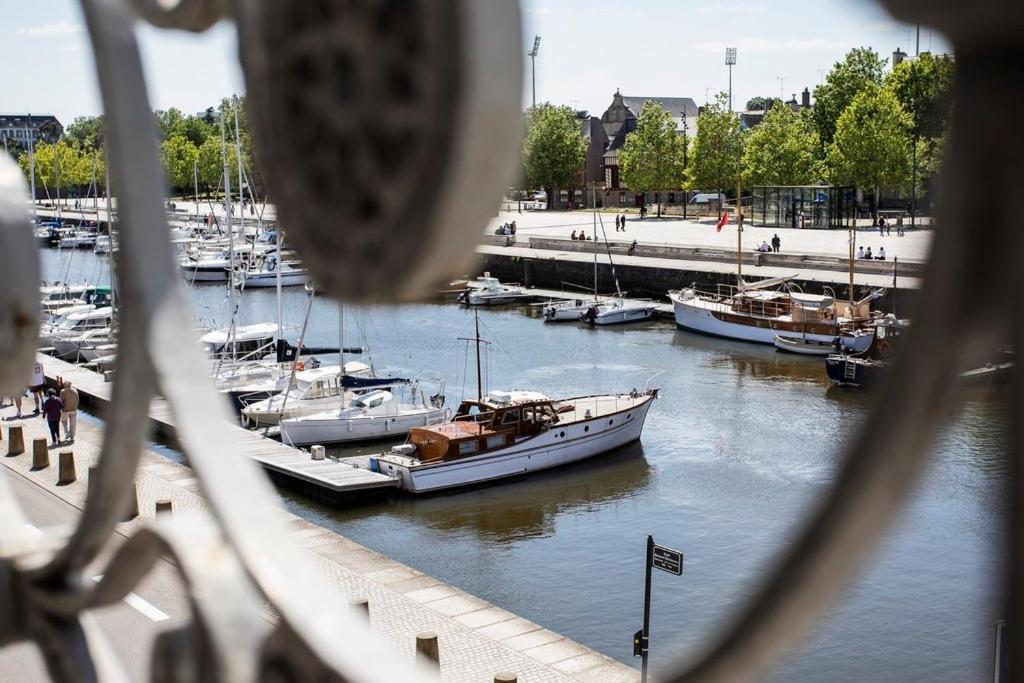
pixel 701 233
pixel 476 639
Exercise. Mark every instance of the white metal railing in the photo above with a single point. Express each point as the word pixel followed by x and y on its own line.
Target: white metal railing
pixel 470 63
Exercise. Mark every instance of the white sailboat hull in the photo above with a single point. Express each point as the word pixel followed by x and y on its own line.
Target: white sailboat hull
pixel 559 445
pixel 290 279
pixel 564 313
pixel 192 273
pixel 626 314
pixel 328 427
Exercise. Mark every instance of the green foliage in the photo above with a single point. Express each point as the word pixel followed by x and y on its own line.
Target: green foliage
pixel 757 103
pixel 210 157
pixel 179 156
pixel 553 149
pixel 87 132
pixel 782 149
pixel 716 147
pixel 652 156
pixel 872 142
pixel 924 87
pixel 861 68
pixel 67 164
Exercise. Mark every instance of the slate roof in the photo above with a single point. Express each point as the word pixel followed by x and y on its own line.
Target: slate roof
pixel 673 105
pixel 628 126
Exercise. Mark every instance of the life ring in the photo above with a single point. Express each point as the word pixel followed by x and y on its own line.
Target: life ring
pixel 300 366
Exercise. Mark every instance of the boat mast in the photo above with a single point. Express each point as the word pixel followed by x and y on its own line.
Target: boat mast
pixel 195 184
pixel 231 235
pixel 593 235
pixel 853 237
pixel 110 236
pixel 95 187
pixel 238 160
pixel 341 352
pixel 739 229
pixel 479 376
pixel 32 169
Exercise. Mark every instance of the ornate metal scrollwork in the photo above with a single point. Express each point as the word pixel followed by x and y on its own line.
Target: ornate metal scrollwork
pixel 386 129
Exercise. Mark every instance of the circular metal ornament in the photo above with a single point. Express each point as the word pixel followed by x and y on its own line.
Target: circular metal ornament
pixel 387 131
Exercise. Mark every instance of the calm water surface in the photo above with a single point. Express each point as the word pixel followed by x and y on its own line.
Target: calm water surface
pixel 737 448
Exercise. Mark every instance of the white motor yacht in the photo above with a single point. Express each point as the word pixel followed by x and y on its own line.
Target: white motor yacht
pixel 487 290
pixel 618 311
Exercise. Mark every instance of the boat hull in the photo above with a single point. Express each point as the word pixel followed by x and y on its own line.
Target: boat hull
pixel 270 280
pixel 306 431
pixel 560 445
pixel 566 313
pixel 804 347
pixel 691 315
pixel 619 316
pixel 201 274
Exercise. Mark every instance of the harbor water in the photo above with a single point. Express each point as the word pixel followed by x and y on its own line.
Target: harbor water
pixel 740 444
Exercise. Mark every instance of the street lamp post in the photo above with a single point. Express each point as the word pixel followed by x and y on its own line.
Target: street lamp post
pixel 730 61
pixel 533 65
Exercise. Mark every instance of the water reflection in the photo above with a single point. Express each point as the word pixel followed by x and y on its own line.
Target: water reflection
pixel 756 361
pixel 528 508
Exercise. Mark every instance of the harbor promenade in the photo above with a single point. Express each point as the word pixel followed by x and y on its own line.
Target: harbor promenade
pixel 476 640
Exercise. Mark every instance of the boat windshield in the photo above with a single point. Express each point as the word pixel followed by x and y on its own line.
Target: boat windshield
pixel 374 399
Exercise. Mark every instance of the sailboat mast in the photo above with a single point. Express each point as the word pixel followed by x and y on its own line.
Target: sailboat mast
pixel 853 237
pixel 231 235
pixel 479 376
pixel 739 228
pixel 238 160
pixel 195 185
pixel 110 236
pixel 341 350
pixel 95 187
pixel 594 236
pixel 32 169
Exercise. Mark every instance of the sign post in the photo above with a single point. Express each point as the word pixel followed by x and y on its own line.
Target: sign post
pixel 667 560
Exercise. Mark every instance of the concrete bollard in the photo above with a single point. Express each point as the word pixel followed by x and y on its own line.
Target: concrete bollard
pixel 66 468
pixel 427 655
pixel 163 506
pixel 133 504
pixel 318 452
pixel 40 454
pixel 15 440
pixel 92 481
pixel 505 677
pixel 362 606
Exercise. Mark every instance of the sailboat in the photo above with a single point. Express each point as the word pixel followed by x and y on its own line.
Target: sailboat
pixel 776 307
pixel 368 409
pixel 511 433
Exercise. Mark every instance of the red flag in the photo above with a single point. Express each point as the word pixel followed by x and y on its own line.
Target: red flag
pixel 722 221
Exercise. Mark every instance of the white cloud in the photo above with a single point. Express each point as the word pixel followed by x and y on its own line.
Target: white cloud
pixel 734 8
pixel 54 30
pixel 752 44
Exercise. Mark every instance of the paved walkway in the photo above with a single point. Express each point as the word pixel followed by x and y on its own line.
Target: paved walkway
pixel 476 639
pixel 691 233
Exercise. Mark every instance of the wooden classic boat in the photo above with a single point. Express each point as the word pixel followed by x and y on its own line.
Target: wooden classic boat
pixel 757 314
pixel 508 434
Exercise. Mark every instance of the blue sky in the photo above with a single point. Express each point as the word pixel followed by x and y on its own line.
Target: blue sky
pixel 588 49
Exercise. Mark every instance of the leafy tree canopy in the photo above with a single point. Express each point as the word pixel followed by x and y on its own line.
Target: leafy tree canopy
pixel 757 103
pixel 872 142
pixel 553 149
pixel 87 131
pixel 861 67
pixel 924 87
pixel 782 149
pixel 716 147
pixel 652 155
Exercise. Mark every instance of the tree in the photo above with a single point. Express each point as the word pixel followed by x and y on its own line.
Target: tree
pixel 758 103
pixel 716 147
pixel 872 143
pixel 167 122
pixel 652 156
pixel 87 132
pixel 861 67
pixel 553 149
pixel 924 87
pixel 210 157
pixel 179 157
pixel 782 149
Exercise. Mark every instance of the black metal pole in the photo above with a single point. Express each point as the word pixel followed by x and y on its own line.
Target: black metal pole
pixel 645 640
pixel 913 183
pixel 895 269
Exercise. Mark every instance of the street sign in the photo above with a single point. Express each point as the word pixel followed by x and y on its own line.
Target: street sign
pixel 668 560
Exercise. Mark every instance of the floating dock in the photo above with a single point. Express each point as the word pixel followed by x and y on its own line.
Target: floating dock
pixel 330 480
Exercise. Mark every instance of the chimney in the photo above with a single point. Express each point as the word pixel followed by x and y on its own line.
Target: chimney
pixel 897 57
pixel 805 99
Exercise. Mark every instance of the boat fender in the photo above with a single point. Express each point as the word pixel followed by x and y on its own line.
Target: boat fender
pixel 300 366
pixel 447 414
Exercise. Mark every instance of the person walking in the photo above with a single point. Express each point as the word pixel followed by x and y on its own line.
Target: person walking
pixel 52 409
pixel 776 243
pixel 69 413
pixel 38 385
pixel 899 226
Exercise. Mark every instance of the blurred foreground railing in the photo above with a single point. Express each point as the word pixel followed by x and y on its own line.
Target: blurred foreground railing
pixel 387 135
